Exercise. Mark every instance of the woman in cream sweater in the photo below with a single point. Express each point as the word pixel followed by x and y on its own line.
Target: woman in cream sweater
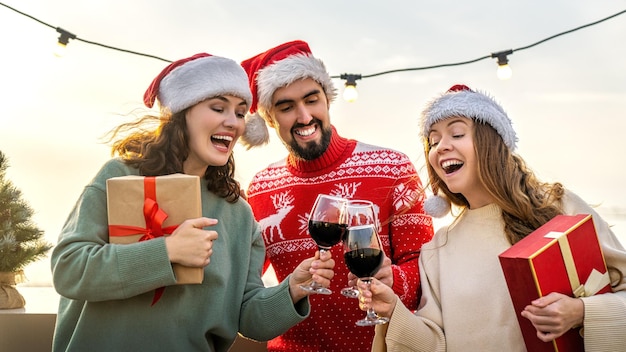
pixel 470 143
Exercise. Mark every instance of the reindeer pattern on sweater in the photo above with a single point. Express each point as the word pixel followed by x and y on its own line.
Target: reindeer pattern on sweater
pixel 281 197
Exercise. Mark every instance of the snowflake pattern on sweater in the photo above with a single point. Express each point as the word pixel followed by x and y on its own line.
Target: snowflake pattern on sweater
pixel 281 197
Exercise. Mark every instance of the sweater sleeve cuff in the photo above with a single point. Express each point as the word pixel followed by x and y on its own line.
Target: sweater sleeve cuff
pixel 394 329
pixel 302 308
pixel 605 321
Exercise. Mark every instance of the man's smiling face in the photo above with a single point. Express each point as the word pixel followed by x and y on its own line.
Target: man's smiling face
pixel 300 116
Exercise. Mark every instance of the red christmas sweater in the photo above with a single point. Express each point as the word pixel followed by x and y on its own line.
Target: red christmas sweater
pixel 281 197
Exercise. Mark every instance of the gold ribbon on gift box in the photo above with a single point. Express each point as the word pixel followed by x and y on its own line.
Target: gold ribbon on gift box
pixel 596 280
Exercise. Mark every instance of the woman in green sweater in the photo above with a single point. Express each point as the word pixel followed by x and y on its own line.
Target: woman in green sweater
pixel 107 290
pixel 469 142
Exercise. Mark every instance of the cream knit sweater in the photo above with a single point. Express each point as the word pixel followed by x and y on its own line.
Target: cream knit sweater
pixel 466 305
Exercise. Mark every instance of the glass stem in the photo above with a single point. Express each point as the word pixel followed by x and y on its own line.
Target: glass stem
pixel 314 283
pixel 371 314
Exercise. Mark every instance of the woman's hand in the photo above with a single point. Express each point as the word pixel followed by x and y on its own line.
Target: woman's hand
pixel 554 314
pixel 318 269
pixel 379 296
pixel 190 245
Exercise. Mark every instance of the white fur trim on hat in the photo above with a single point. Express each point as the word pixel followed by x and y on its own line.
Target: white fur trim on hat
pixel 288 70
pixel 200 79
pixel 471 104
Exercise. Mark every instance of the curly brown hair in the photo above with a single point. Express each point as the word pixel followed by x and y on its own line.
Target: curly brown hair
pixel 162 151
pixel 526 202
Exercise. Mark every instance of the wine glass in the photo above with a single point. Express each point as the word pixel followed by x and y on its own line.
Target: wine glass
pixel 326 228
pixel 358 212
pixel 363 254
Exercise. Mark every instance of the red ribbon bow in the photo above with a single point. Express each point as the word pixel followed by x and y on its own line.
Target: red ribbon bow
pixel 154 216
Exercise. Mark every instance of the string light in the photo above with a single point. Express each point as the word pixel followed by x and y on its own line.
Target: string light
pixel 64 38
pixel 72 36
pixel 504 71
pixel 503 67
pixel 350 93
pixel 350 85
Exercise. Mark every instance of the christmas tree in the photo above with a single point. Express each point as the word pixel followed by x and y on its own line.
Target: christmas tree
pixel 21 241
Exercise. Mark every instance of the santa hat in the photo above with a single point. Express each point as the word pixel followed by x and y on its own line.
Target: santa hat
pixel 460 100
pixel 277 68
pixel 188 81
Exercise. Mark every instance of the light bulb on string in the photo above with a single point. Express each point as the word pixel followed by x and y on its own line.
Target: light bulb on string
pixel 64 38
pixel 350 93
pixel 59 50
pixel 504 70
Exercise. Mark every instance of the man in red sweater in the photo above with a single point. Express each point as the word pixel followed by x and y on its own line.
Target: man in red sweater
pixel 292 92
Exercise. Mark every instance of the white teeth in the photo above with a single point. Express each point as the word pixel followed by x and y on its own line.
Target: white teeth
pixel 307 132
pixel 448 163
pixel 226 138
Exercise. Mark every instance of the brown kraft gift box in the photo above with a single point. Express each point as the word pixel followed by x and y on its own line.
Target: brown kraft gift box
pixel 563 256
pixel 142 208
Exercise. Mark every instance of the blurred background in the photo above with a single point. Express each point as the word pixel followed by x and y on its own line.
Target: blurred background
pixel 566 96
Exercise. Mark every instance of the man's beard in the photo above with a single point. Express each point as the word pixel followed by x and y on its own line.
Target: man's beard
pixel 312 150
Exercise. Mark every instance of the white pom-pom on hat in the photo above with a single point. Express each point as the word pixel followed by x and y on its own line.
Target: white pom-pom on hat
pixel 437 206
pixel 256 132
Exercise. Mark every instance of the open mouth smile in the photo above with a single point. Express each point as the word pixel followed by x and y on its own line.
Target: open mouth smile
pixel 306 131
pixel 451 166
pixel 222 140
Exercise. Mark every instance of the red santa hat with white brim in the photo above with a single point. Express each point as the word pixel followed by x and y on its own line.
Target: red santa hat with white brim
pixel 461 101
pixel 273 69
pixel 188 81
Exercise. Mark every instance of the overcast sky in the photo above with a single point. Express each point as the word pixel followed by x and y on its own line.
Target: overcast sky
pixel 567 96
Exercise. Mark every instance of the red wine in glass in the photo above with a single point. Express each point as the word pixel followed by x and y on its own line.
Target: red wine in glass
pixel 358 212
pixel 326 234
pixel 364 262
pixel 364 256
pixel 326 228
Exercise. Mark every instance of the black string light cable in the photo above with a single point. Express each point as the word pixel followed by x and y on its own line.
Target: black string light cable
pixel 350 93
pixel 347 76
pixel 350 78
pixel 65 36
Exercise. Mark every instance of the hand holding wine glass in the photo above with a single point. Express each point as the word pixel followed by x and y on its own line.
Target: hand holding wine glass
pixel 326 227
pixel 358 212
pixel 364 255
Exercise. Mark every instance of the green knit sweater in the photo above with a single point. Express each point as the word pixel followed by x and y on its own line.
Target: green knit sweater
pixel 107 290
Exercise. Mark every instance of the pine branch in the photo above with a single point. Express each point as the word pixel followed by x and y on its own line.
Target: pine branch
pixel 20 240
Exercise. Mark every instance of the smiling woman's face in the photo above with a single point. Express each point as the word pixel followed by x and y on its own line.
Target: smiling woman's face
pixel 454 159
pixel 214 126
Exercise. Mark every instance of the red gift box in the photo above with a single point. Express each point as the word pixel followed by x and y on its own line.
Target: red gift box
pixel 563 256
